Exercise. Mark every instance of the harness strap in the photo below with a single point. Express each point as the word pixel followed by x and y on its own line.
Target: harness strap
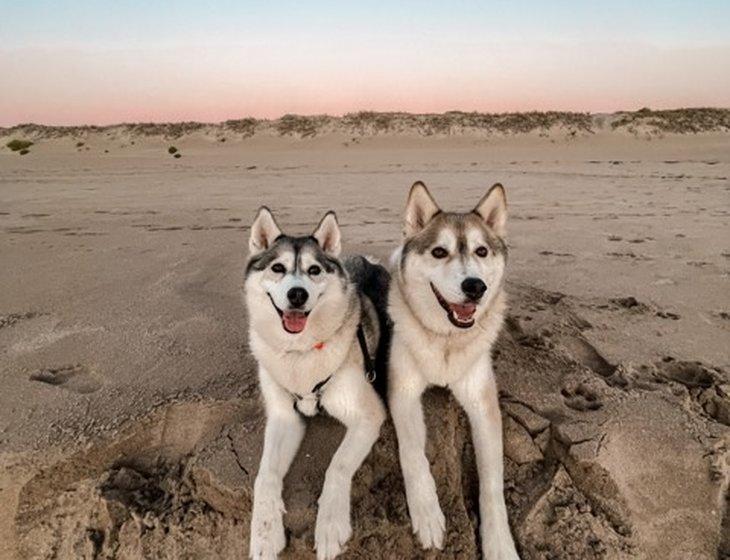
pixel 316 390
pixel 370 373
pixel 313 397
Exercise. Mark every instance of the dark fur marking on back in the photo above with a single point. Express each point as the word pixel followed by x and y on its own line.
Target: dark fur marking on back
pixel 372 281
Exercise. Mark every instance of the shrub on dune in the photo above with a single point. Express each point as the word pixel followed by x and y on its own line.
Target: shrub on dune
pixel 18 145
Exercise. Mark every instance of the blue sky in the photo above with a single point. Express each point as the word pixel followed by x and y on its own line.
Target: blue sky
pixel 74 60
pixel 668 22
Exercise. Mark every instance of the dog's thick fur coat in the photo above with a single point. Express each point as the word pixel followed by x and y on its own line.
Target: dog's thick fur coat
pixel 447 306
pixel 309 358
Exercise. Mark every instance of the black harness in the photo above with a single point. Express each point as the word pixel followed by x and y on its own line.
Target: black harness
pixel 309 404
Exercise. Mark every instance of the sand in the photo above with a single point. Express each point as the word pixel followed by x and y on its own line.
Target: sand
pixel 130 421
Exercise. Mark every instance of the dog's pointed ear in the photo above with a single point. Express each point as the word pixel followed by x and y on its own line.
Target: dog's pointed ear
pixel 492 208
pixel 420 208
pixel 328 235
pixel 264 231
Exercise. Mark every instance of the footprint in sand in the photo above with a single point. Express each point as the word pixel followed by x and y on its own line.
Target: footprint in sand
pixel 668 315
pixel 76 378
pixel 13 318
pixel 581 398
pixel 630 302
pixel 689 374
pixel 704 382
pixel 628 255
pixel 586 354
pixel 555 254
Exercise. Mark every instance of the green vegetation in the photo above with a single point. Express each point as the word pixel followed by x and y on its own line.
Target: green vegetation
pixel 79 144
pixel 24 151
pixel 18 145
pixel 172 150
pixel 177 156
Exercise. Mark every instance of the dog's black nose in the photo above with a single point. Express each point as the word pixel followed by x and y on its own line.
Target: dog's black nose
pixel 473 288
pixel 297 296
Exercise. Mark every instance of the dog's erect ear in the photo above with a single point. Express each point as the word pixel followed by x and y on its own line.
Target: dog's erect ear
pixel 327 234
pixel 263 231
pixel 420 208
pixel 493 209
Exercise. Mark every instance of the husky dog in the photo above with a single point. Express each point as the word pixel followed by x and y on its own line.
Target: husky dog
pixel 447 306
pixel 313 331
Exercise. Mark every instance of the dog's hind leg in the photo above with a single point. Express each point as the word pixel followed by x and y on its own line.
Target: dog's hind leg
pixel 477 393
pixel 405 388
pixel 283 434
pixel 354 402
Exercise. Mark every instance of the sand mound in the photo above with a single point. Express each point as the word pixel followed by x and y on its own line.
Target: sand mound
pixel 177 483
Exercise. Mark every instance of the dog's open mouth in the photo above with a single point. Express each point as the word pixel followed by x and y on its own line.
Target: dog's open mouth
pixel 293 320
pixel 460 314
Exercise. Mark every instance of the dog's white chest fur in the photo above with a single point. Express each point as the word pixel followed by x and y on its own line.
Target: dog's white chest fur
pixel 299 371
pixel 442 360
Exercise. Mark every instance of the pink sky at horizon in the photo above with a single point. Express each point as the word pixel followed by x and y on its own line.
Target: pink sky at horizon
pixel 239 63
pixel 71 87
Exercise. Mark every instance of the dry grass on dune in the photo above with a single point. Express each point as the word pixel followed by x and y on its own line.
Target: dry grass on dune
pixel 366 123
pixel 168 130
pixel 302 126
pixel 245 127
pixel 678 121
pixel 456 121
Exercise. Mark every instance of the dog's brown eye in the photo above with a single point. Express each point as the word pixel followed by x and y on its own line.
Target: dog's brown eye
pixel 314 270
pixel 439 253
pixel 278 268
pixel 482 251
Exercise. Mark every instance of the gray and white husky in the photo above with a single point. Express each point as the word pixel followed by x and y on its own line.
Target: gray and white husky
pixel 447 306
pixel 315 324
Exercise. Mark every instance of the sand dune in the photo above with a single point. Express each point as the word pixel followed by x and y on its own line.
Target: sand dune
pixel 368 123
pixel 130 425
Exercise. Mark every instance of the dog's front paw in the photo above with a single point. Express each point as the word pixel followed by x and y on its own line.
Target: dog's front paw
pixel 427 518
pixel 498 548
pixel 267 529
pixel 333 528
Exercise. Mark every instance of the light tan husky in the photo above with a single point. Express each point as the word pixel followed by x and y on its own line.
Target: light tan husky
pixel 447 307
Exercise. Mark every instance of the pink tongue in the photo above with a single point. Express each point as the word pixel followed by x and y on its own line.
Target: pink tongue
pixel 463 311
pixel 294 321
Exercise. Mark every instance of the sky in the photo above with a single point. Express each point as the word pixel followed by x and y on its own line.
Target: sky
pixel 66 62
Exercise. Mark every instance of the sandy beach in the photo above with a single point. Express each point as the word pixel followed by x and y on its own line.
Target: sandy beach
pixel 130 421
